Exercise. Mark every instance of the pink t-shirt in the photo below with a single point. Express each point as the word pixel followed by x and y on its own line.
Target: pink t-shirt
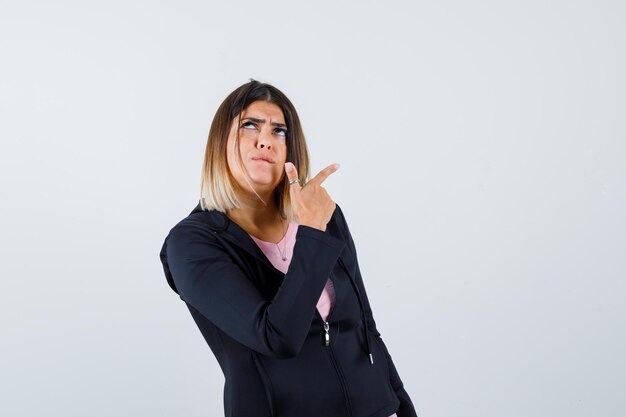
pixel 274 252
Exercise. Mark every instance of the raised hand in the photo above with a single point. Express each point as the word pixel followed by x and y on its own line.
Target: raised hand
pixel 312 204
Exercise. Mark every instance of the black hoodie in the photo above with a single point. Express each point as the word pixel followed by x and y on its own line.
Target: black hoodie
pixel 264 328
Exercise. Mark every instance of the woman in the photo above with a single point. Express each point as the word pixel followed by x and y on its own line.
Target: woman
pixel 268 269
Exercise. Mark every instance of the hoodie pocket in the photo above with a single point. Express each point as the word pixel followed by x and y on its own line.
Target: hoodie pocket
pixel 267 384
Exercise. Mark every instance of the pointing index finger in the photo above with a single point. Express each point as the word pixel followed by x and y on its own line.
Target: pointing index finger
pixel 323 174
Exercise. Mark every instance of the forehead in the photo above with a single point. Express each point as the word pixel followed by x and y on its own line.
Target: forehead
pixel 264 110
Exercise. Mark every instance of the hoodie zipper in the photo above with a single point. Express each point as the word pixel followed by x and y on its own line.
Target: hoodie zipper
pixel 363 316
pixel 333 359
pixel 326 334
pixel 342 381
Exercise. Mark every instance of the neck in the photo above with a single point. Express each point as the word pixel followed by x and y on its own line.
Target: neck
pixel 254 214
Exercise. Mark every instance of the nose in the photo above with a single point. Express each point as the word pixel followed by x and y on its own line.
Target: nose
pixel 265 139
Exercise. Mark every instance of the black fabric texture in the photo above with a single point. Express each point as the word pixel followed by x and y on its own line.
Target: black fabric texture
pixel 264 328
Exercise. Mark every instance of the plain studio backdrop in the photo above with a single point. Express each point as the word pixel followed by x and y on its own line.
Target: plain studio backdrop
pixel 482 151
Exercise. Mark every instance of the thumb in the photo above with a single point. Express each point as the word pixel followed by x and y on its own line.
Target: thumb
pixel 291 171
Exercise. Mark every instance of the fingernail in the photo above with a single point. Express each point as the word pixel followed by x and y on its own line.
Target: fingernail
pixel 337 166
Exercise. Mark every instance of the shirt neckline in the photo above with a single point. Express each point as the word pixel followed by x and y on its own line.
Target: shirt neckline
pixel 280 241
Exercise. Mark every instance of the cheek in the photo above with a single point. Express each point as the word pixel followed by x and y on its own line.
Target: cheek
pixel 232 159
pixel 283 151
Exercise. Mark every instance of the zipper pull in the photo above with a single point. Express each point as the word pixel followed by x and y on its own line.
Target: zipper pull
pixel 326 335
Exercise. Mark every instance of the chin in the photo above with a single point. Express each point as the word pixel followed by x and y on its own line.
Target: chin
pixel 265 177
pixel 264 181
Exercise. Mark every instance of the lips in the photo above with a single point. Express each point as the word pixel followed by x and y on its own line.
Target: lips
pixel 262 158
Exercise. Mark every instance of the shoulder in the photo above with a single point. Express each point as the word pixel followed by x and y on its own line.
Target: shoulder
pixel 199 226
pixel 192 243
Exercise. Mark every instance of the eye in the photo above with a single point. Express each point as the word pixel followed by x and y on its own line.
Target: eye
pixel 281 132
pixel 248 123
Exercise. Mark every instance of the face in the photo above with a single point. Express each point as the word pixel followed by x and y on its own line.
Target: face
pixel 262 135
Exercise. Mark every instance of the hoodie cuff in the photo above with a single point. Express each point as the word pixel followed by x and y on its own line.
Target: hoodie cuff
pixel 324 237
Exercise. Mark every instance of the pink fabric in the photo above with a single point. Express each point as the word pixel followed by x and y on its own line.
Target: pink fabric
pixel 273 254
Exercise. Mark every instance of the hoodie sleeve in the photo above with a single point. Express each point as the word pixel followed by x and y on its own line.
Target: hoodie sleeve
pixel 205 277
pixel 406 405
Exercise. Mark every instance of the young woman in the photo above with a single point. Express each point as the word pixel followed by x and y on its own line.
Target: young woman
pixel 267 266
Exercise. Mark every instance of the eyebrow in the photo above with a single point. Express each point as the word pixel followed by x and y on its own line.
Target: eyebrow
pixel 254 119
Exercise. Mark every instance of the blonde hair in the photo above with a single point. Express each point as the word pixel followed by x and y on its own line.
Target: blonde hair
pixel 216 188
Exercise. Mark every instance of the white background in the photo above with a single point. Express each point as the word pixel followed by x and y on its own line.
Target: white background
pixel 482 151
